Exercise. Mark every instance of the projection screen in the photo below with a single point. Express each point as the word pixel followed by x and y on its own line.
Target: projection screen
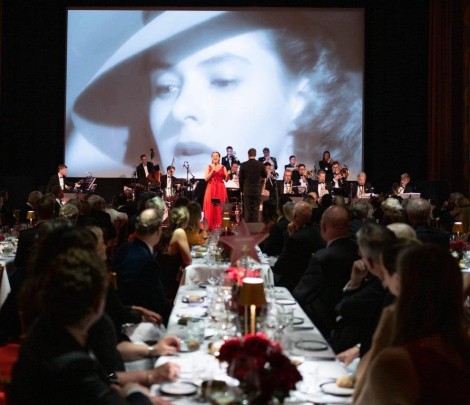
pixel 188 82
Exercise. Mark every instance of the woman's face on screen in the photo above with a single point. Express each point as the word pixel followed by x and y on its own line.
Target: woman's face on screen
pixel 236 92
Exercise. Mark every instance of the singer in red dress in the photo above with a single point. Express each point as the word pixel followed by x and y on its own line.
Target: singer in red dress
pixel 215 174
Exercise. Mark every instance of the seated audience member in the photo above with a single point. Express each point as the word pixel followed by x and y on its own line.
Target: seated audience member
pixel 361 213
pixel 139 275
pixel 273 244
pixel 269 215
pixel 365 295
pixel 419 215
pixel 54 361
pixel 57 236
pixel 304 239
pixel 141 199
pixel 383 335
pixel 102 218
pixel 173 251
pixel 30 205
pixel 321 286
pixel 195 231
pixel 58 194
pixel 428 361
pixel 7 215
pixel 402 230
pixel 70 212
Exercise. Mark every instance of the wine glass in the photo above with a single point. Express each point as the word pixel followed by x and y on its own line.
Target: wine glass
pixel 214 276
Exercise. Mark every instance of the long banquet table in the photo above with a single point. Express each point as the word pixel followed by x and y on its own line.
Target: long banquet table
pixel 317 367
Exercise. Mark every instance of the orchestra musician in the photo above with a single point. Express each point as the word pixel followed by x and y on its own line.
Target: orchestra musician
pixel 285 186
pixel 361 188
pixel 168 181
pixel 269 183
pixel 405 185
pixel 303 180
pixel 325 165
pixel 233 172
pixel 230 158
pixel 145 170
pixel 321 186
pixel 294 167
pixel 59 179
pixel 268 158
pixel 338 183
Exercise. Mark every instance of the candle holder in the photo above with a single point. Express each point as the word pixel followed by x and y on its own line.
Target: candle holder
pixel 31 215
pixel 457 228
pixel 252 296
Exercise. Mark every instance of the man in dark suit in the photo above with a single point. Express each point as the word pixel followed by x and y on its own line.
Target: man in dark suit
pixel 360 187
pixel 144 169
pixel 286 185
pixel 268 158
pixel 60 180
pixel 229 159
pixel 270 188
pixel 338 182
pixel 320 185
pixel 168 181
pixel 303 180
pixel 138 273
pixel 304 240
pixel 419 214
pixel 30 205
pixel 321 286
pixel 274 243
pixel 252 173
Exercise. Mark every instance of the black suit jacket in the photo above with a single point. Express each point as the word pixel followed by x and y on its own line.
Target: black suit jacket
pixel 54 181
pixel 53 369
pixel 251 174
pixel 353 190
pixel 321 286
pixel 164 180
pixel 228 163
pixel 427 234
pixel 315 186
pixel 274 243
pixel 309 183
pixel 141 172
pixel 295 256
pixel 280 187
pixel 139 278
pixel 263 159
pixel 24 212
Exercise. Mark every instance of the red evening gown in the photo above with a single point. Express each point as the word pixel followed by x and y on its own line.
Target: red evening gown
pixel 215 189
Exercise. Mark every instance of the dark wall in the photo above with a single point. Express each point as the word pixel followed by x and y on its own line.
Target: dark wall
pixel 33 81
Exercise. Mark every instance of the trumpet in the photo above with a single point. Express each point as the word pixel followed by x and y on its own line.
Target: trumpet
pixel 344 172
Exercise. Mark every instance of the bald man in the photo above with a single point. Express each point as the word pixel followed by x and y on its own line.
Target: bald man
pixel 321 286
pixel 304 239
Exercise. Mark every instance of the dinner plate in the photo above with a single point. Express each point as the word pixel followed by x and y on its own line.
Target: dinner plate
pixel 311 345
pixel 193 299
pixel 297 320
pixel 178 388
pixel 285 301
pixel 331 388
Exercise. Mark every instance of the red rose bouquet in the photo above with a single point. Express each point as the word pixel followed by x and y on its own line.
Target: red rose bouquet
pixel 276 373
pixel 459 246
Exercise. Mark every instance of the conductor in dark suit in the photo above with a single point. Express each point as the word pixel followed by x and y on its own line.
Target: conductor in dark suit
pixel 60 180
pixel 321 286
pixel 252 173
pixel 361 186
pixel 144 169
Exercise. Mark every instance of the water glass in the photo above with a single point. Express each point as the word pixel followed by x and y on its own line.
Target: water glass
pixel 195 330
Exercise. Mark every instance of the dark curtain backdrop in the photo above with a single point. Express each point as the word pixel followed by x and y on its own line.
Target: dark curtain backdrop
pixel 403 128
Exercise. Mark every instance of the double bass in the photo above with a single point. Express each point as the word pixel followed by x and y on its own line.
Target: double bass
pixel 153 177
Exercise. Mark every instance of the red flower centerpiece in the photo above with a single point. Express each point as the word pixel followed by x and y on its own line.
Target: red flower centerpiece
pixel 276 373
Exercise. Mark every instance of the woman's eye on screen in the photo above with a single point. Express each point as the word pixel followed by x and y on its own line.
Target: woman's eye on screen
pixel 225 84
pixel 165 90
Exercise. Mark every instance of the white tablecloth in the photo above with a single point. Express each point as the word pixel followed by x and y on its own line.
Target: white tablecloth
pixel 317 367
